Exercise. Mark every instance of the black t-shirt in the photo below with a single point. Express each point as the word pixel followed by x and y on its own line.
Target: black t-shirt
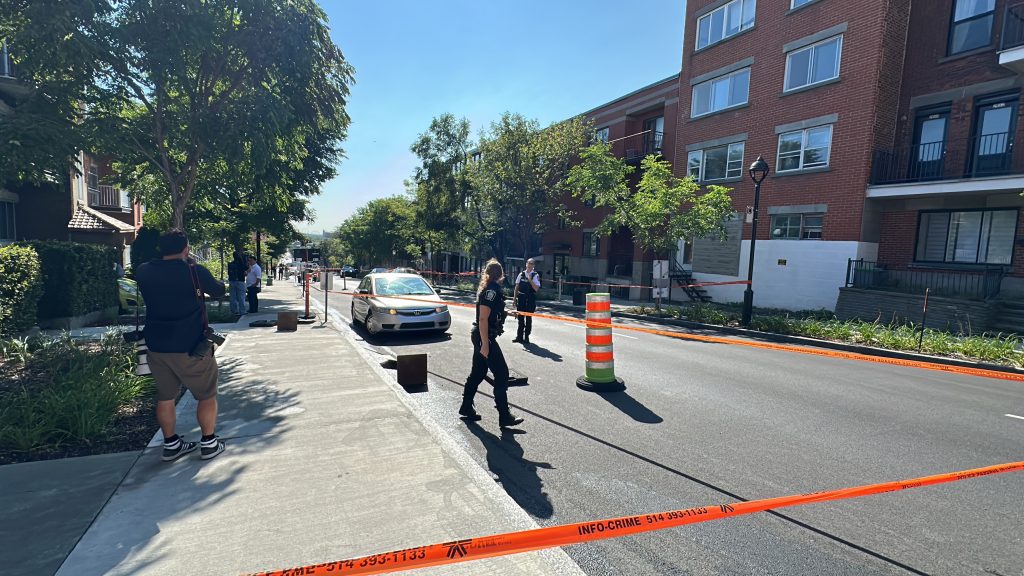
pixel 236 270
pixel 174 315
pixel 493 298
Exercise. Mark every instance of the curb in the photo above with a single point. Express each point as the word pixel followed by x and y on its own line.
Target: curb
pixel 800 340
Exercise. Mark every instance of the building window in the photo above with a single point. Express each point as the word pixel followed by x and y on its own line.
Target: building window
pixel 797 226
pixel 721 93
pixel 591 245
pixel 971 26
pixel 804 149
pixel 971 237
pixel 716 163
pixel 813 64
pixel 6 64
pixel 601 135
pixel 7 232
pixel 562 223
pixel 729 20
pixel 798 3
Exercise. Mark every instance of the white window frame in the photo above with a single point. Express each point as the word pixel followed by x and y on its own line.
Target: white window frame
pixel 811 62
pixel 804 227
pixel 699 177
pixel 711 83
pixel 601 134
pixel 794 4
pixel 950 243
pixel 725 23
pixel 593 249
pixel 803 148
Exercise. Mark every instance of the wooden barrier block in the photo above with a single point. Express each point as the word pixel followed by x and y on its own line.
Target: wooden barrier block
pixel 412 369
pixel 287 321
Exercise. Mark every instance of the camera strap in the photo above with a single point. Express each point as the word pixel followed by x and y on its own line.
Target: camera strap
pixel 199 294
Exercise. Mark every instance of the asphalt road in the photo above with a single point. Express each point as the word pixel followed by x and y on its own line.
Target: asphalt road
pixel 702 424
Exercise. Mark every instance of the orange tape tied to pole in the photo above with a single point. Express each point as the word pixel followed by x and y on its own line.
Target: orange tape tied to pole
pixel 566 534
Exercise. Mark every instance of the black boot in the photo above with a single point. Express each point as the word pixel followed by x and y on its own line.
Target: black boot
pixel 508 419
pixel 467 412
pixel 519 337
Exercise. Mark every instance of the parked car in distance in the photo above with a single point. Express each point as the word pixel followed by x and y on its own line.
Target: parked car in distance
pixel 406 271
pixel 397 302
pixel 348 271
pixel 128 295
pixel 378 270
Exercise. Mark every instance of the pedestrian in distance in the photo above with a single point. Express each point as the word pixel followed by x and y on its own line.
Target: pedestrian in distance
pixel 253 284
pixel 527 285
pixel 236 282
pixel 490 317
pixel 179 342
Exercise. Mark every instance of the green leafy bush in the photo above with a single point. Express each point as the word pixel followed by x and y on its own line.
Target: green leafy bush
pixel 708 314
pixel 77 392
pixel 77 278
pixel 21 287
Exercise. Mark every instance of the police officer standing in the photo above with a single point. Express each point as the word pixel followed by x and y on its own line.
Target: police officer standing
pixel 525 295
pixel 490 315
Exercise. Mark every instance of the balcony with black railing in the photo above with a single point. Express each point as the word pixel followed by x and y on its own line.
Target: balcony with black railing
pixel 983 156
pixel 981 283
pixel 1011 48
pixel 634 148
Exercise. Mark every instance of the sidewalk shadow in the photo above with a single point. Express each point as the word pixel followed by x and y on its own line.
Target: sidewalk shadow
pixel 631 407
pixel 128 536
pixel 517 475
pixel 542 352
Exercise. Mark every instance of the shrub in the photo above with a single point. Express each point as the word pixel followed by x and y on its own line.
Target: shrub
pixel 776 324
pixel 77 278
pixel 20 288
pixel 707 314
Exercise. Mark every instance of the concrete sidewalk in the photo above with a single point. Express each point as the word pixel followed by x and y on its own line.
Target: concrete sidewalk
pixel 325 460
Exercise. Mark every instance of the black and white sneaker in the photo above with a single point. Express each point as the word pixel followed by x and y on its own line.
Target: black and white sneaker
pixel 210 448
pixel 177 449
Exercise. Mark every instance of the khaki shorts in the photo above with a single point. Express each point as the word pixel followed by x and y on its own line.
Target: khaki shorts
pixel 172 369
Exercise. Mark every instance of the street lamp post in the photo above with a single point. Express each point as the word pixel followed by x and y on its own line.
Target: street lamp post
pixel 758 172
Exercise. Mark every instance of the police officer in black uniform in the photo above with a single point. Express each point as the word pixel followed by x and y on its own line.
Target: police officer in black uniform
pixel 490 313
pixel 525 296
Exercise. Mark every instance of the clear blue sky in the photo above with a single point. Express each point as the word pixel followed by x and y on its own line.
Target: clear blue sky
pixel 416 59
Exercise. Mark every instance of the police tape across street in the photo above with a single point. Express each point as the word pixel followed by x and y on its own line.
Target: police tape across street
pixel 965 370
pixel 553 536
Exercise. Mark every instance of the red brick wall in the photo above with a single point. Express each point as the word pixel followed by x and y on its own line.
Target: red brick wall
pixel 854 98
pixel 899 230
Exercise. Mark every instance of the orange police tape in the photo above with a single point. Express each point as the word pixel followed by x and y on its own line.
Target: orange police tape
pixel 554 536
pixel 965 370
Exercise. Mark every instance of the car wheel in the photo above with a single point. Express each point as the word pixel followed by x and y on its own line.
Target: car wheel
pixel 369 323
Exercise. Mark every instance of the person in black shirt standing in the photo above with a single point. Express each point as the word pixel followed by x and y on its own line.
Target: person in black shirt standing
pixel 525 297
pixel 490 315
pixel 173 290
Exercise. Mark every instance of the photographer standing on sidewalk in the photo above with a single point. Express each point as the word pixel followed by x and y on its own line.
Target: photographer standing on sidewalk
pixel 236 281
pixel 490 313
pixel 176 336
pixel 253 284
pixel 527 285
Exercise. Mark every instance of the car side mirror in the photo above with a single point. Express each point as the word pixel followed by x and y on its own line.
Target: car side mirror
pixel 364 291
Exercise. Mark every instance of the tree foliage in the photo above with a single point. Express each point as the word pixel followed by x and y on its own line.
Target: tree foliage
pixel 382 231
pixel 662 210
pixel 202 97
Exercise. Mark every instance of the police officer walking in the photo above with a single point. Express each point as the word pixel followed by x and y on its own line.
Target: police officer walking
pixel 525 295
pixel 490 316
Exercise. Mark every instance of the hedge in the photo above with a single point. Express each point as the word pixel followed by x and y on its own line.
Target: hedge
pixel 77 278
pixel 20 289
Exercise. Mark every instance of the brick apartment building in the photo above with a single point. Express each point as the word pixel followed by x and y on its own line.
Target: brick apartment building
pixel 78 208
pixel 889 130
pixel 637 124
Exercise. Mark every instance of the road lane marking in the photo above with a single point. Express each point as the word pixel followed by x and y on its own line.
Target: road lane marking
pixel 1014 416
pixel 620 335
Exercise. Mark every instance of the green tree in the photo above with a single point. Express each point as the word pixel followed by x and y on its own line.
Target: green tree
pixel 176 87
pixel 660 211
pixel 440 183
pixel 382 231
pixel 520 178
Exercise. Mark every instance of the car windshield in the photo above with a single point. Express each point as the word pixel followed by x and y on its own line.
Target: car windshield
pixel 401 286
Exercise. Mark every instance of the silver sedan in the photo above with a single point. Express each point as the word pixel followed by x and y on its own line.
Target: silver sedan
pixel 396 302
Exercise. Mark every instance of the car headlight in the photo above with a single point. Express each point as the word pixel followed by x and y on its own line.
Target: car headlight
pixel 440 309
pixel 392 311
